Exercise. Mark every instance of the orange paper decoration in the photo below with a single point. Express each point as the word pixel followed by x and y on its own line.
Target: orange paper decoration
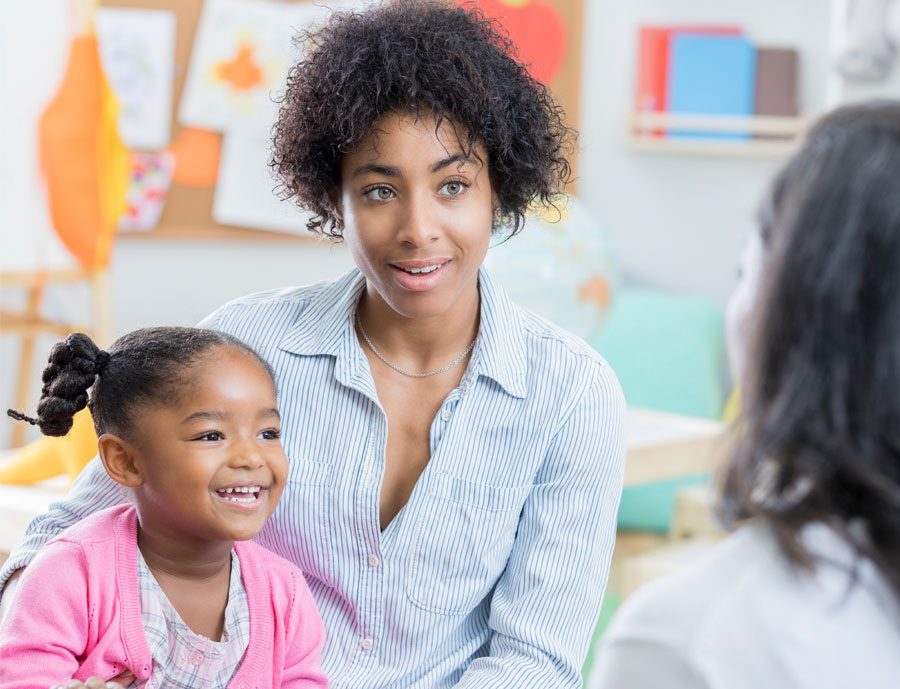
pixel 196 157
pixel 85 162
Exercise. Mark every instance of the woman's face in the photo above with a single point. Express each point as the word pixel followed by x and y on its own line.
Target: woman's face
pixel 741 304
pixel 417 214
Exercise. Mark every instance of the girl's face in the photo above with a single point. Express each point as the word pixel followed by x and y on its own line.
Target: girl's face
pixel 742 304
pixel 417 214
pixel 211 462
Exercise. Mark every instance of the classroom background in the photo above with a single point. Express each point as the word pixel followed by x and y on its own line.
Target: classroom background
pixel 134 191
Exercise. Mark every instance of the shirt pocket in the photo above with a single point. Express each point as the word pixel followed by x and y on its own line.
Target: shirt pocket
pixel 463 538
pixel 302 522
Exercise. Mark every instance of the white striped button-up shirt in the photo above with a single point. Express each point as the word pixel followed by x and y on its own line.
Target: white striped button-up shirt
pixel 492 575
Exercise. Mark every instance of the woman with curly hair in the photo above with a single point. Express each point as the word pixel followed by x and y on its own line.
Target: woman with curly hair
pixel 805 594
pixel 455 461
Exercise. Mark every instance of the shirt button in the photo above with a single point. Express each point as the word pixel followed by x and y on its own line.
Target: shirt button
pixel 366 644
pixel 446 414
pixel 196 658
pixel 373 560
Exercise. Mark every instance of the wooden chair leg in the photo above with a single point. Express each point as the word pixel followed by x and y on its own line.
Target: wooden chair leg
pixel 26 362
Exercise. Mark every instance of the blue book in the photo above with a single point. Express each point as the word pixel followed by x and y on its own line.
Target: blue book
pixel 711 75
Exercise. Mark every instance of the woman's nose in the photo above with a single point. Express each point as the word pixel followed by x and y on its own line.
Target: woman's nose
pixel 420 226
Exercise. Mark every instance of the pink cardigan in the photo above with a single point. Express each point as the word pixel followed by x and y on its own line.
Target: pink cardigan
pixel 78 614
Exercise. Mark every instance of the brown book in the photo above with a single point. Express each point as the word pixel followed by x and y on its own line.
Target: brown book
pixel 776 82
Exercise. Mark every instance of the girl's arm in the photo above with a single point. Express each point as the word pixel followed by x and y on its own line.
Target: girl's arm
pixel 91 492
pixel 546 603
pixel 305 639
pixel 46 629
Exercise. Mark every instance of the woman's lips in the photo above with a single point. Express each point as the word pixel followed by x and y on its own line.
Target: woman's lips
pixel 419 282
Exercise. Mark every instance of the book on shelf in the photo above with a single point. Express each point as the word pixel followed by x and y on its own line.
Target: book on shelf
pixel 776 82
pixel 711 75
pixel 653 62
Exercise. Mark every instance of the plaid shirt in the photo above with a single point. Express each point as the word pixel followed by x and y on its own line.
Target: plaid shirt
pixel 181 658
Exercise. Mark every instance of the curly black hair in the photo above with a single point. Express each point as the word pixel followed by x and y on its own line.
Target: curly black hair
pixel 423 57
pixel 144 366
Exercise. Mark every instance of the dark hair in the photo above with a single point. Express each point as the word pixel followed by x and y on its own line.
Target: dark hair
pixel 821 421
pixel 433 57
pixel 145 366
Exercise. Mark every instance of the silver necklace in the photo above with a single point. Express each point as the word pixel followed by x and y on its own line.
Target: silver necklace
pixel 410 374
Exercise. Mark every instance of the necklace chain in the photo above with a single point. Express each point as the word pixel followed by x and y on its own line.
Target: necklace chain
pixel 411 374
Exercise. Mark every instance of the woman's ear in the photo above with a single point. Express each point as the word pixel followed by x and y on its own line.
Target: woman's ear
pixel 118 457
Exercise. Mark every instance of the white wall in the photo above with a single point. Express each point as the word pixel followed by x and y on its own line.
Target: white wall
pixel 679 221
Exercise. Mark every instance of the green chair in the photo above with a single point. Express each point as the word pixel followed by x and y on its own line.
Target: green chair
pixel 669 354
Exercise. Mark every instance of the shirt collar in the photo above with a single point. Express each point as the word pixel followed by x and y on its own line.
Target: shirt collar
pixel 327 328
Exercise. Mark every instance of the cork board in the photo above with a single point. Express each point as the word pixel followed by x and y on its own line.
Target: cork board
pixel 188 210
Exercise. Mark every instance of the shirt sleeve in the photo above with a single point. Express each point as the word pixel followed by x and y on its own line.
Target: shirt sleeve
pixel 46 629
pixel 303 656
pixel 94 490
pixel 547 601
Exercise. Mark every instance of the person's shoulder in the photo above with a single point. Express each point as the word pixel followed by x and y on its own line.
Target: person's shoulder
pixel 549 341
pixel 100 527
pixel 676 610
pixel 267 312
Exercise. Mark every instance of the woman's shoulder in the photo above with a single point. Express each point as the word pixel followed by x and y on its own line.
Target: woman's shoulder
pixel 743 616
pixel 285 304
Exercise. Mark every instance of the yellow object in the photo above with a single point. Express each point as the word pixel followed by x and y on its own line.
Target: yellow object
pixel 732 407
pixel 49 457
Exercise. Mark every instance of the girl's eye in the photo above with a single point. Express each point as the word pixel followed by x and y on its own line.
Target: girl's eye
pixel 270 434
pixel 211 437
pixel 379 193
pixel 454 188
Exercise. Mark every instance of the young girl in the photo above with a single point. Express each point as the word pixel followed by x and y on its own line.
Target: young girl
pixel 166 589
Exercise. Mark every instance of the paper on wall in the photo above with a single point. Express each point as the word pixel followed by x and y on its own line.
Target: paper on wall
pixel 245 192
pixel 137 48
pixel 239 63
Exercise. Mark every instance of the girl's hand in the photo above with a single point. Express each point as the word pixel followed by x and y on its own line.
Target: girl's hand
pixel 92 683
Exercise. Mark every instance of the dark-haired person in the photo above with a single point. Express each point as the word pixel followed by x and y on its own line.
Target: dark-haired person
pixel 806 593
pixel 455 461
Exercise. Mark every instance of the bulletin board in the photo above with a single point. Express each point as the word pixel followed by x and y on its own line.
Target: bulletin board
pixel 187 213
pixel 548 36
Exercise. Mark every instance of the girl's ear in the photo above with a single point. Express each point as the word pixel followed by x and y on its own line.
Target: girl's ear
pixel 118 457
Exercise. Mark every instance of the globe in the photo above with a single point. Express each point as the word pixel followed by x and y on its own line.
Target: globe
pixel 558 266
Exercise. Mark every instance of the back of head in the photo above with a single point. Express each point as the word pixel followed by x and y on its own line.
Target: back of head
pixel 821 436
pixel 147 366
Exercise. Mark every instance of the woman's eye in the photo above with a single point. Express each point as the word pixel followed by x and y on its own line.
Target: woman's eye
pixel 212 436
pixel 379 193
pixel 453 188
pixel 270 434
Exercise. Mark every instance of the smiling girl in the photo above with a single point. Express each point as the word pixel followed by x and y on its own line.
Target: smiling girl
pixel 166 591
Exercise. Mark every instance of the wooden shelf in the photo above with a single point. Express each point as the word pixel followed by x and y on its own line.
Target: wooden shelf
pixel 769 136
pixel 220 234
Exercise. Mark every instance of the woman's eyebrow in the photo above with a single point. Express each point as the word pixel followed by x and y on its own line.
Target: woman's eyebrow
pixel 386 170
pixel 449 160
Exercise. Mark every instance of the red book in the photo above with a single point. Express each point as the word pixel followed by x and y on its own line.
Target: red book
pixel 653 63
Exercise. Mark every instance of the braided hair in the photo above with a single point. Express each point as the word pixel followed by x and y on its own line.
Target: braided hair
pixel 144 366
